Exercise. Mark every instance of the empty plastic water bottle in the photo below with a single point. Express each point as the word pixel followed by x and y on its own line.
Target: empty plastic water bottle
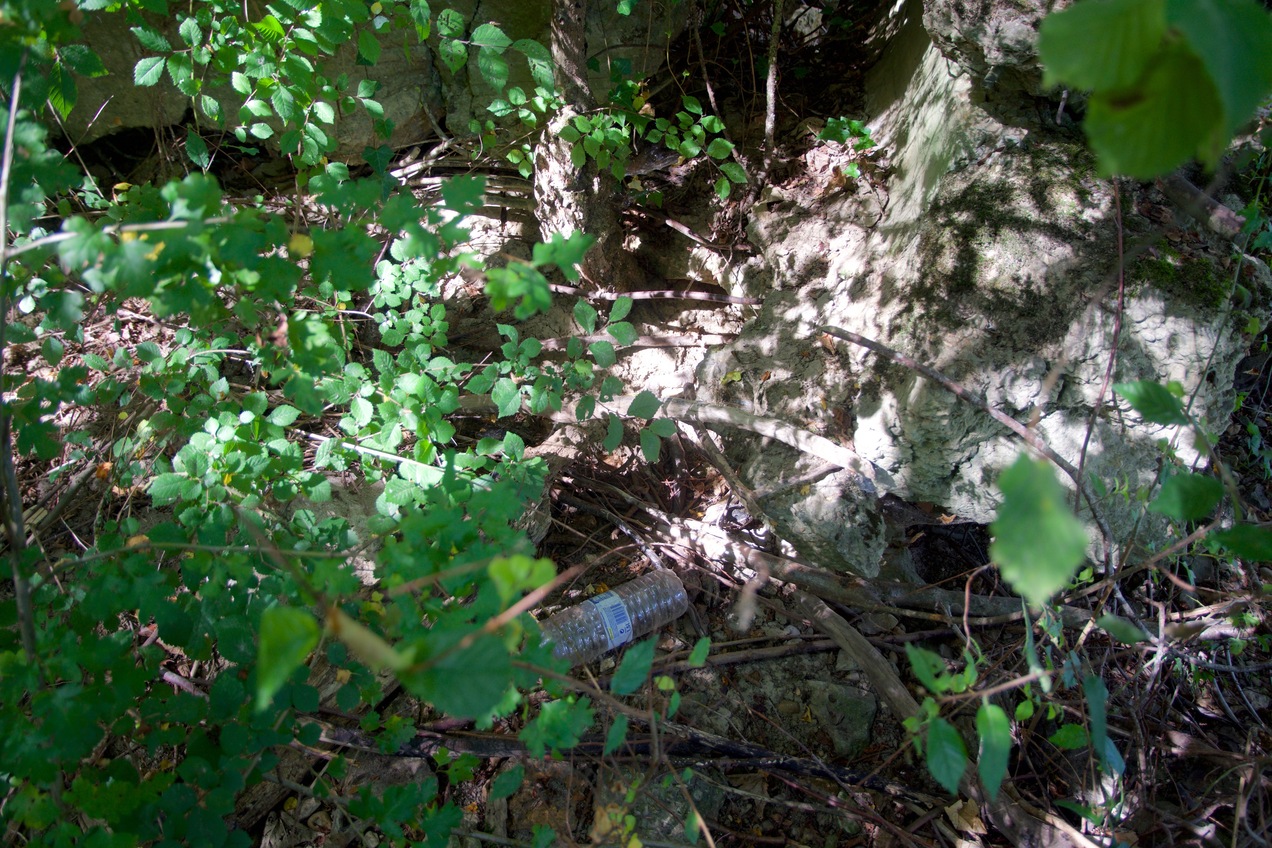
pixel 584 632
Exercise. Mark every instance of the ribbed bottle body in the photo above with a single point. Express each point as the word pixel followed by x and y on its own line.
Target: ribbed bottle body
pixel 585 631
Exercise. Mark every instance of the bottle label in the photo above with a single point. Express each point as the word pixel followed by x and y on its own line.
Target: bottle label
pixel 614 617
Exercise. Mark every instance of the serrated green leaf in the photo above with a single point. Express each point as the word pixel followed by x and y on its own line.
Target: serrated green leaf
pixel 946 754
pixel 644 405
pixel 454 53
pixel 151 39
pixel 368 48
pixel 493 67
pixel 723 188
pixel 623 332
pixel 995 745
pixel 603 353
pixel 284 416
pixel 506 396
pixel 928 667
pixel 664 427
pixel 1122 630
pixel 733 171
pixel 586 406
pixel 1153 401
pixel 634 669
pixel 650 445
pixel 621 308
pixel 148 71
pixel 166 488
pixel 1188 497
pixel 698 656
pixel 613 434
pixel 197 150
pixel 616 736
pixel 287 637
pixel 490 35
pixel 1038 543
pixel 1101 45
pixel 719 148
pixel 586 315
pixel 1247 541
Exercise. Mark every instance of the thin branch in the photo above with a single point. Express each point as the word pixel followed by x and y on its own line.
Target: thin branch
pixel 770 87
pixel 9 490
pixel 1030 437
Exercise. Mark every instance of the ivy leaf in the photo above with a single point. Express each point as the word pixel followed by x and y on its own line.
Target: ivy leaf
pixel 616 736
pixel 287 636
pixel 644 405
pixel 994 729
pixel 1154 402
pixel 1247 541
pixel 1188 497
pixel 1038 543
pixel 946 754
pixel 634 668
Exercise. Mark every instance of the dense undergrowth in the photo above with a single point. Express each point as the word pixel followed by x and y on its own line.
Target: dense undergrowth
pixel 255 391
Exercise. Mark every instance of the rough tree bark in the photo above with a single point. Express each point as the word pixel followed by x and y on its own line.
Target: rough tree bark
pixel 568 198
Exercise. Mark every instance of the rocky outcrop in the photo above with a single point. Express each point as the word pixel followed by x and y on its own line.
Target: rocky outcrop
pixel 994 260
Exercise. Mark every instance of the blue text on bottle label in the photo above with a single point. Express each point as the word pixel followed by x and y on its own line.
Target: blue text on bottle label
pixel 614 617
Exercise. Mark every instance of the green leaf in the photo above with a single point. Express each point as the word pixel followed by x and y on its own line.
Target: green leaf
pixel 52 349
pixel 81 59
pixel 1122 630
pixel 698 656
pixel 507 782
pixel 368 48
pixel 454 53
pixel 719 148
pixel 1154 402
pixel 928 667
pixel 491 36
pixel 288 635
pixel 1247 541
pixel 723 188
pixel 493 67
pixel 644 405
pixel 1069 737
pixel 622 306
pixel 733 171
pixel 634 669
pixel 616 736
pixel 1188 497
pixel 946 754
pixel 450 23
pixel 623 332
pixel 147 71
pixel 1038 543
pixel 995 744
pixel 1101 44
pixel 506 396
pixel 586 315
pixel 1173 115
pixel 1233 39
pixel 151 39
pixel 483 666
pixel 1097 697
pixel 650 445
pixel 664 427
pixel 613 434
pixel 692 104
pixel 166 488
pixel 284 416
pixel 197 149
pixel 560 724
pixel 603 353
pixel 62 91
pixel 586 406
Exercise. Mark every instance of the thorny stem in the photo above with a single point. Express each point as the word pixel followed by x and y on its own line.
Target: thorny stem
pixel 9 491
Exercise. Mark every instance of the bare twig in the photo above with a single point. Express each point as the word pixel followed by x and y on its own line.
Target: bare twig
pixel 770 87
pixel 9 490
pixel 1029 436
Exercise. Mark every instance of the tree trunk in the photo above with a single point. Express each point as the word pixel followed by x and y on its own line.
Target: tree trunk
pixel 586 199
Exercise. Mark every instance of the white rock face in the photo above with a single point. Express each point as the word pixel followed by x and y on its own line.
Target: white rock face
pixel 995 262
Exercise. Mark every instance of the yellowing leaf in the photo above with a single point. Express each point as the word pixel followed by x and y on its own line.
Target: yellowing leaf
pixel 300 246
